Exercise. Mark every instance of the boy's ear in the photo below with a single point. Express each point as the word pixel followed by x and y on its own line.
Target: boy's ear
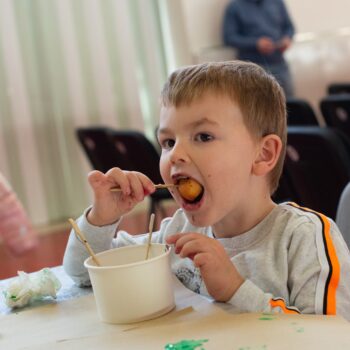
pixel 268 154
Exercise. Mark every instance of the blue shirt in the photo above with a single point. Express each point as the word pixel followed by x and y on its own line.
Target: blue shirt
pixel 246 21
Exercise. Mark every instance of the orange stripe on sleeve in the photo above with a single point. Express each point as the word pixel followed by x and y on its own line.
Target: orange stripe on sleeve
pixel 334 276
pixel 280 303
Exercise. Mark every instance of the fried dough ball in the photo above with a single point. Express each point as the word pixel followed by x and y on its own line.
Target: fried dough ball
pixel 189 189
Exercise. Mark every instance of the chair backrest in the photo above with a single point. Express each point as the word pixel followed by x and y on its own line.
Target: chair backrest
pixel 142 154
pixel 336 111
pixel 343 214
pixel 300 112
pixel 99 148
pixel 285 191
pixel 318 166
pixel 338 88
pixel 126 149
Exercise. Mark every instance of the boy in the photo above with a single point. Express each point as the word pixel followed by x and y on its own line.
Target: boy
pixel 224 125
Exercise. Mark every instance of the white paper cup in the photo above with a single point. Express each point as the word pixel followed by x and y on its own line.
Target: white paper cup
pixel 127 287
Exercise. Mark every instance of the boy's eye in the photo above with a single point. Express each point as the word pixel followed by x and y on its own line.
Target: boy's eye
pixel 203 137
pixel 167 143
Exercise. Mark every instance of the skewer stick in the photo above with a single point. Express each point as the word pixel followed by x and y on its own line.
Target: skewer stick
pixel 118 189
pixel 150 228
pixel 84 241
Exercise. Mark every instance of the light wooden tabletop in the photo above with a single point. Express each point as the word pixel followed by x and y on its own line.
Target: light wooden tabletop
pixel 74 324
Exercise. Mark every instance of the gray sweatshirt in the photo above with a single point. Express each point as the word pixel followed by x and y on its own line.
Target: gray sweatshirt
pixel 294 261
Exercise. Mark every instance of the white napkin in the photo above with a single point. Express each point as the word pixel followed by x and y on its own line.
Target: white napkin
pixel 28 287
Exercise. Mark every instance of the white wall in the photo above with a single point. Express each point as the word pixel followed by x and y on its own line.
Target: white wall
pixel 203 22
pixel 204 18
pixel 319 15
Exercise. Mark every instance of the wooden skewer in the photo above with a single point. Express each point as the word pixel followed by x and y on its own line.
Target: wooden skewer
pixel 84 241
pixel 150 228
pixel 118 189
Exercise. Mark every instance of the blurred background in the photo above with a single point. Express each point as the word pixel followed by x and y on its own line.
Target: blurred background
pixel 73 63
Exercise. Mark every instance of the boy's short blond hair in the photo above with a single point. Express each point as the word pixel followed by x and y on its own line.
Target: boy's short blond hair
pixel 257 93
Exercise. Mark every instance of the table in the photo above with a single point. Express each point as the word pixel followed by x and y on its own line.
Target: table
pixel 71 322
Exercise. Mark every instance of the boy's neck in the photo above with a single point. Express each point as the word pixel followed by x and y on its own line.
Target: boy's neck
pixel 234 226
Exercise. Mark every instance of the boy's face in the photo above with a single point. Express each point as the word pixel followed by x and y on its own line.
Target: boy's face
pixel 208 141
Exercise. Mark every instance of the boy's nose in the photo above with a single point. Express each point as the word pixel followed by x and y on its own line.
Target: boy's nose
pixel 178 154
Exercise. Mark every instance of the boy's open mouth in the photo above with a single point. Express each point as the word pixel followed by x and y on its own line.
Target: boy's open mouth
pixel 190 190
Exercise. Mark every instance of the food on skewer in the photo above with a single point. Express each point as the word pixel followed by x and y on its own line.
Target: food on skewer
pixel 189 189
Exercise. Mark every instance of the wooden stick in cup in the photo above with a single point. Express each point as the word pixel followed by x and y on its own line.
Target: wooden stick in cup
pixel 84 241
pixel 151 222
pixel 118 189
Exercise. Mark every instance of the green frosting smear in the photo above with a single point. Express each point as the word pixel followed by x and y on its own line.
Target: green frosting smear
pixel 186 345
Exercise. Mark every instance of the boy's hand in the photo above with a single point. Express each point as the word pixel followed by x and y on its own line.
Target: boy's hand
pixel 218 272
pixel 109 206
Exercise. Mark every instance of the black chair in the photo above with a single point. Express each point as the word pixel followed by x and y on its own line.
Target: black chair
pixel 338 88
pixel 126 149
pixel 300 112
pixel 336 112
pixel 318 166
pixel 285 191
pixel 99 148
pixel 343 214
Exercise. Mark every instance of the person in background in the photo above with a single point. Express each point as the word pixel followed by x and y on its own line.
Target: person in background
pixel 16 230
pixel 223 126
pixel 261 31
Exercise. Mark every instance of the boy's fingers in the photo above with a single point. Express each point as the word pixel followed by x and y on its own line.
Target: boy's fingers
pixel 187 237
pixel 147 184
pixel 187 244
pixel 130 182
pixel 173 238
pixel 99 183
pixel 200 259
pixel 118 178
pixel 191 248
pixel 136 186
pixel 181 238
pixel 95 178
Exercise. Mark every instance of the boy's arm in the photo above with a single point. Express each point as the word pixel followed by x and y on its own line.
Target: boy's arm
pixel 250 298
pixel 99 238
pixel 318 276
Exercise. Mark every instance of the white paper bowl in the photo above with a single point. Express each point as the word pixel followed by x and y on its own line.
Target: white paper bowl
pixel 127 287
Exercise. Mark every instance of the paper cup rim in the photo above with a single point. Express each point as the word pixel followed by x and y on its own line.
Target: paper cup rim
pixel 110 251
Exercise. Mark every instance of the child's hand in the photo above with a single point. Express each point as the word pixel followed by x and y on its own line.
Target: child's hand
pixel 218 272
pixel 109 206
